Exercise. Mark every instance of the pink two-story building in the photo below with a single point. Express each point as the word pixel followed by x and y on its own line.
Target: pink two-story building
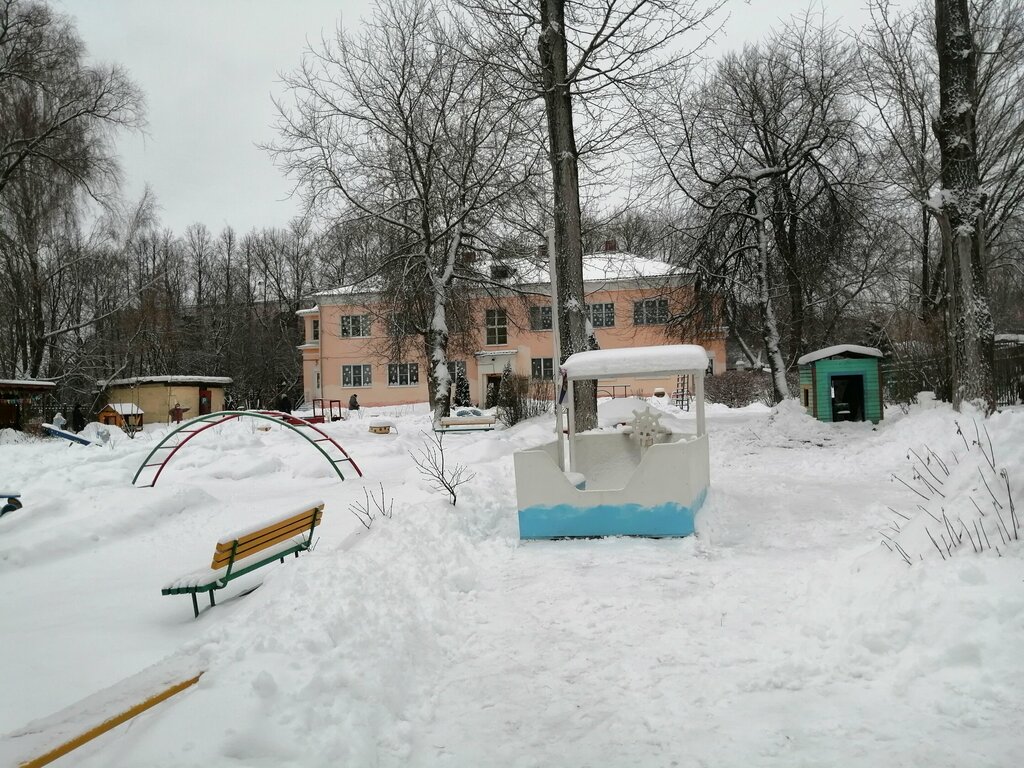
pixel 629 299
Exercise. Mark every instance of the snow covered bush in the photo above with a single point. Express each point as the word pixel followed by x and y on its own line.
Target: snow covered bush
pixel 513 393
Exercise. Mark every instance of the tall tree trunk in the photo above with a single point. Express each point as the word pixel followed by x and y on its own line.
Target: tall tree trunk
pixel 567 219
pixel 961 216
pixel 769 322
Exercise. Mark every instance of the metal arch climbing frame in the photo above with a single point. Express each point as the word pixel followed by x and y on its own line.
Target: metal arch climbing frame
pixel 200 424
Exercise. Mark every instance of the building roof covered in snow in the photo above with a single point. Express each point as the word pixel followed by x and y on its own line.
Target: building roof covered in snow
pixel 604 267
pixel 27 384
pixel 169 381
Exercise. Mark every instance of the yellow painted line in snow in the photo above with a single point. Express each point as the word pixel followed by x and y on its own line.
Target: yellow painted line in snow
pixel 110 724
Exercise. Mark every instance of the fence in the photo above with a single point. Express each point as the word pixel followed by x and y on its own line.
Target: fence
pixel 903 379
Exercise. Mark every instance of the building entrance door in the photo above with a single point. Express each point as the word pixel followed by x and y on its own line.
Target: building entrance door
pixel 493 385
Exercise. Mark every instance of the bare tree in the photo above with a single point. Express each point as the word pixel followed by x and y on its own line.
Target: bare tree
pixel 756 147
pixel 56 116
pixel 584 58
pixel 399 126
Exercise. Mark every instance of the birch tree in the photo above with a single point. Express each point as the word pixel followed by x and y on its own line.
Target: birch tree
pixel 398 125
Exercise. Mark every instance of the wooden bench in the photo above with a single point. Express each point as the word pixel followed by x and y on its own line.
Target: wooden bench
pixel 245 550
pixel 465 424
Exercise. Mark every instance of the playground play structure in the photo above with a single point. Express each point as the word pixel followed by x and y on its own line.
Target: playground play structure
pixel 53 431
pixel 181 435
pixel 639 480
pixel 332 412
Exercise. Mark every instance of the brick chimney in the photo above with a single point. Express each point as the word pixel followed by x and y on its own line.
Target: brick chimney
pixel 610 246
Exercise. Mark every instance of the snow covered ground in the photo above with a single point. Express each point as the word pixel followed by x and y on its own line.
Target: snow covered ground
pixel 783 634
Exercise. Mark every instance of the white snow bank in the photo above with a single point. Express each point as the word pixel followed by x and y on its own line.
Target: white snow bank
pixel 42 736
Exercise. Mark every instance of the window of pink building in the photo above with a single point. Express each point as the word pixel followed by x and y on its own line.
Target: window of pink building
pixel 355 326
pixel 496 321
pixel 403 374
pixel 356 375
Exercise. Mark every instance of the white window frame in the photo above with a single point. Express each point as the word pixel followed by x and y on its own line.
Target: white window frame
pixel 547 368
pixel 604 309
pixel 499 329
pixel 353 332
pixel 652 311
pixel 540 318
pixel 410 372
pixel 365 375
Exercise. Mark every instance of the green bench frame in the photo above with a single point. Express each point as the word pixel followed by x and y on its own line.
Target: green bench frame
pixel 247 547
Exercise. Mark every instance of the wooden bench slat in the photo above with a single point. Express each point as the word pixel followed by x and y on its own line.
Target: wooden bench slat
pixel 267 538
pixel 451 421
pixel 225 543
pixel 205 579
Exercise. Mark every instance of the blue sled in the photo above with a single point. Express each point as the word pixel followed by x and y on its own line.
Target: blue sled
pixel 52 430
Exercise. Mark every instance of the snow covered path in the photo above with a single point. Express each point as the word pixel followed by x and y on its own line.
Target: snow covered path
pixel 782 635
pixel 752 645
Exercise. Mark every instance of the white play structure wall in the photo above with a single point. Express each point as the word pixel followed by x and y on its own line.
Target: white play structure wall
pixel 676 471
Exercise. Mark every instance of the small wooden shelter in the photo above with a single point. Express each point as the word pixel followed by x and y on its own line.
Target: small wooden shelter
pixel 842 383
pixel 127 416
pixel 21 402
pixel 157 395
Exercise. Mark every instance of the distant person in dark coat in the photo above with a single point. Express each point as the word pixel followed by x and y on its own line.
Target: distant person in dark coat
pixel 77 418
pixel 284 404
pixel 353 403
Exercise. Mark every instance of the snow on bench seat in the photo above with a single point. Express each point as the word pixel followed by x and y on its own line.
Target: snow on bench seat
pixel 202 577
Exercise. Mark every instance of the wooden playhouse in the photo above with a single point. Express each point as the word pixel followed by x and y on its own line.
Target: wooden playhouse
pixel 156 396
pixel 127 416
pixel 842 383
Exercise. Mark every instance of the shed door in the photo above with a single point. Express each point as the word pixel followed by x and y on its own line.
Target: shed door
pixel 204 401
pixel 848 398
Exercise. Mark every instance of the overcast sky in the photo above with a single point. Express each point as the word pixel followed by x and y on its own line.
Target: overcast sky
pixel 209 68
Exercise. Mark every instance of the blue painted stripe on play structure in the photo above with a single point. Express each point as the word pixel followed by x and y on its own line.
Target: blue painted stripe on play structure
pixel 566 520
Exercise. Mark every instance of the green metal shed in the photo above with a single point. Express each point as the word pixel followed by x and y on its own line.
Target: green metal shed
pixel 842 383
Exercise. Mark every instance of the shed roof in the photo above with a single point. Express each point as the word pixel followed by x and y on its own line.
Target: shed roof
pixel 168 380
pixel 854 350
pixel 125 409
pixel 27 384
pixel 637 361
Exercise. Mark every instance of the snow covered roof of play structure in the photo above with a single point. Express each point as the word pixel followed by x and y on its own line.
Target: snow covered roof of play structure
pixel 839 349
pixel 125 409
pixel 637 361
